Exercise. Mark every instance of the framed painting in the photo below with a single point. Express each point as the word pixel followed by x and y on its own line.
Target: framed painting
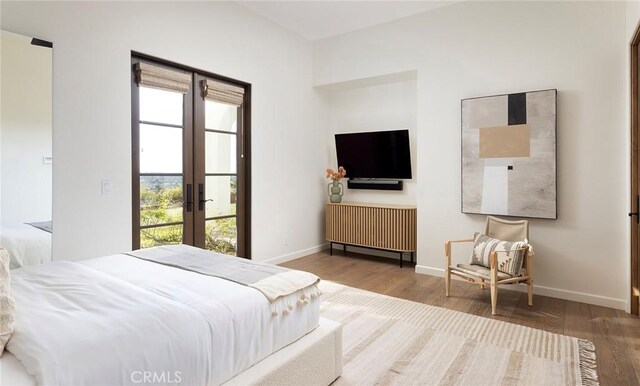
pixel 509 155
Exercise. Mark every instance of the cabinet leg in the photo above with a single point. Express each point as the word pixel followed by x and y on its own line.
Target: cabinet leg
pixel 330 249
pixel 400 259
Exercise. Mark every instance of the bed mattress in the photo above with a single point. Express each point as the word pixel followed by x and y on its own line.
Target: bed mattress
pixel 241 328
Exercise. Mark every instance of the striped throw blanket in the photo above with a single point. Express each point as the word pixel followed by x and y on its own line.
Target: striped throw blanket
pixel 284 288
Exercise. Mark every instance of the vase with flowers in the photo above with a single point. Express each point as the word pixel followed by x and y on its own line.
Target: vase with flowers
pixel 335 188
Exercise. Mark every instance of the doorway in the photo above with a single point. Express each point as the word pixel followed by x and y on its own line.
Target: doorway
pixel 635 170
pixel 190 158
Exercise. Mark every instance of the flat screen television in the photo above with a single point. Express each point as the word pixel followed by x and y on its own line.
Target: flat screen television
pixel 379 154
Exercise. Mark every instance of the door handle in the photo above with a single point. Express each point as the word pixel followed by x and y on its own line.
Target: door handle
pixel 189 198
pixel 201 199
pixel 637 212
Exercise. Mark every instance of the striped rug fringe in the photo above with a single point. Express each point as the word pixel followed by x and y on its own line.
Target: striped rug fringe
pixel 588 366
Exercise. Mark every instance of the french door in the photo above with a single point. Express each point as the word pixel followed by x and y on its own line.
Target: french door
pixel 634 205
pixel 190 154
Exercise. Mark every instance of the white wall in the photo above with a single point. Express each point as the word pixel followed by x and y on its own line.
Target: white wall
pixel 92 121
pixel 386 106
pixel 633 16
pixel 25 127
pixel 479 48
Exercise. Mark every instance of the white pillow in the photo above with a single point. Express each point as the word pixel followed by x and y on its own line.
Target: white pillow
pixel 7 306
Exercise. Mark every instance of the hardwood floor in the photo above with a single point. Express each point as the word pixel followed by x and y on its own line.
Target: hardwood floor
pixel 615 333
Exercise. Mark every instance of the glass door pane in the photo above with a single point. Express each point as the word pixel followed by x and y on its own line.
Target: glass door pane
pixel 221 194
pixel 222 236
pixel 161 136
pixel 221 165
pixel 160 200
pixel 221 152
pixel 160 106
pixel 160 149
pixel 162 235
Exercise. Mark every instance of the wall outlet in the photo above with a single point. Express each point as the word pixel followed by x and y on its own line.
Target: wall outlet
pixel 285 240
pixel 106 187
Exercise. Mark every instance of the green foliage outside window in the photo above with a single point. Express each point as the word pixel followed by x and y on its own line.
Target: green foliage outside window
pixel 221 236
pixel 161 206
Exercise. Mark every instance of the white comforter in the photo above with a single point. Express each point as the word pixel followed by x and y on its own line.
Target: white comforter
pixel 26 245
pixel 110 321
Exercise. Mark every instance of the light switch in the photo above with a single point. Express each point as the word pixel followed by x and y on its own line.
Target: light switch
pixel 106 186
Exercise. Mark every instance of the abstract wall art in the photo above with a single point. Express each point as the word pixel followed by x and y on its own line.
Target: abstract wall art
pixel 509 155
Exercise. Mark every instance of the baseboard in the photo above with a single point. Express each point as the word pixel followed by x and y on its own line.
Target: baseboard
pixel 575 296
pixel 426 270
pixel 296 254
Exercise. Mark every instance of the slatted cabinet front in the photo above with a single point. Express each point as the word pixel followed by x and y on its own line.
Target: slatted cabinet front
pixel 390 227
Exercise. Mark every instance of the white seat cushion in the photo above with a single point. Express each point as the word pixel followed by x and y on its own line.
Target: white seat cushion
pixel 479 271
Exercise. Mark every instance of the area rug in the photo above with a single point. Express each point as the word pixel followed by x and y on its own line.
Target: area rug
pixel 391 341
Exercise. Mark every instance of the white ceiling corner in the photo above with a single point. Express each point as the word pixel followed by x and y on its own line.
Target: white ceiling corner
pixel 315 20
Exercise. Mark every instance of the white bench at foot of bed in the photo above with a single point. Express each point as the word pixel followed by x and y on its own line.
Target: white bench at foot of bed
pixel 314 359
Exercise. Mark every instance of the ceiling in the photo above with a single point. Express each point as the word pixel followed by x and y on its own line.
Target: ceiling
pixel 315 20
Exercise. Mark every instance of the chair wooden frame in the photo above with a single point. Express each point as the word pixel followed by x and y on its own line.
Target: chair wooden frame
pixel 526 276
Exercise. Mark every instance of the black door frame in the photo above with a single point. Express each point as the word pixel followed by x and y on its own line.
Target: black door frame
pixel 244 165
pixel 635 169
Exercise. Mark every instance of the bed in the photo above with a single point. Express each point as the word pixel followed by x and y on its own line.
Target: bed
pixel 27 244
pixel 115 320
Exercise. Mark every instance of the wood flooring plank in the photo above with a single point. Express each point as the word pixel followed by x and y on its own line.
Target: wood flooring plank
pixel 578 320
pixel 552 314
pixel 611 348
pixel 631 331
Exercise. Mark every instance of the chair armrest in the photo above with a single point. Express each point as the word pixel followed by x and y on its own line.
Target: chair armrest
pixel 447 245
pixel 461 241
pixel 447 249
pixel 493 261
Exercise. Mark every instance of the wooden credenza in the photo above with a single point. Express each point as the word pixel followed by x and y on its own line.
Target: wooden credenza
pixel 378 226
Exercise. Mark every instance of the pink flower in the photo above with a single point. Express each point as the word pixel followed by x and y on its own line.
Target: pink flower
pixel 336 175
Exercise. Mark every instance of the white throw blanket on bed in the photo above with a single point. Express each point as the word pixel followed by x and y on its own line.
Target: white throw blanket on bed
pixel 284 288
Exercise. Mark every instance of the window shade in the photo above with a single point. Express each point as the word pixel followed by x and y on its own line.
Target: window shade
pixel 222 92
pixel 161 78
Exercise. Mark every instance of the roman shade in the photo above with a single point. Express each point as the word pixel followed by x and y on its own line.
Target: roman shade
pixel 161 78
pixel 222 92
